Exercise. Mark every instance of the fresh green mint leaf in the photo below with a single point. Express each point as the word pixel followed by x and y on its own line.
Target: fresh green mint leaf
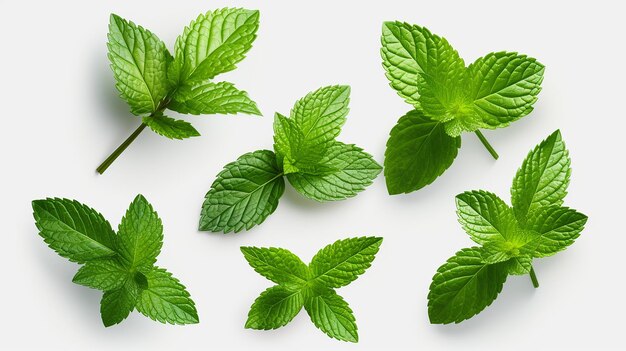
pixel 332 315
pixel 214 43
pixel 140 235
pixel 171 128
pixel 116 305
pixel 311 286
pixel 557 227
pixel 347 170
pixel 73 230
pixel 484 216
pixel 418 151
pixel 464 286
pixel 151 80
pixel 543 178
pixel 166 300
pixel 244 194
pixel 306 151
pixel 138 60
pixel 104 274
pixel 449 98
pixel 342 262
pixel 504 86
pixel 122 264
pixel 212 98
pixel 274 308
pixel 536 226
pixel 278 265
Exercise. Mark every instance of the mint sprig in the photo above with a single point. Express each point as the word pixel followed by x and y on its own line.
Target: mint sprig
pixel 306 152
pixel 537 225
pixel 122 265
pixel 312 287
pixel 151 80
pixel 449 99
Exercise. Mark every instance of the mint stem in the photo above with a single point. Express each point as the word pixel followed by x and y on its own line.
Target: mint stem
pixel 486 143
pixel 533 277
pixel 103 167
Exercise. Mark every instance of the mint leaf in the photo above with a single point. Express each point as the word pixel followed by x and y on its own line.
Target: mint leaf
pixel 449 98
pixel 504 86
pixel 212 98
pixel 171 128
pixel 558 227
pixel 332 267
pixel 117 304
pixel 274 308
pixel 332 315
pixel 418 151
pixel 321 114
pixel 138 61
pixel 543 178
pixel 123 268
pixel 278 265
pixel 484 216
pixel 104 274
pixel 74 231
pixel 340 263
pixel 166 300
pixel 347 170
pixel 244 194
pixel 410 51
pixel 306 151
pixel 140 235
pixel 537 226
pixel 151 80
pixel 463 287
pixel 214 42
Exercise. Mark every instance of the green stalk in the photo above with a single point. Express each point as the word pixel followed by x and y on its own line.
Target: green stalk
pixel 533 277
pixel 103 167
pixel 482 138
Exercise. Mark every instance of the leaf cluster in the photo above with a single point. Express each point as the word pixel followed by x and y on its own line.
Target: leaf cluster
pixel 449 99
pixel 536 225
pixel 122 265
pixel 306 152
pixel 312 287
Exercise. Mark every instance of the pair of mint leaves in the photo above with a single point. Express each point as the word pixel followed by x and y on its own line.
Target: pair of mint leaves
pixel 306 152
pixel 537 225
pixel 151 80
pixel 449 99
pixel 312 287
pixel 122 265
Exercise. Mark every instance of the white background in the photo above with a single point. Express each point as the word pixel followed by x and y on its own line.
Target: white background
pixel 61 118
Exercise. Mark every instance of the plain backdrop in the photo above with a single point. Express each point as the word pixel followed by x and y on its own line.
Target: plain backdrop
pixel 61 117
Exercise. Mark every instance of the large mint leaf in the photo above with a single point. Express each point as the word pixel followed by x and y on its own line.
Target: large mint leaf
pixel 209 98
pixel 274 308
pixel 244 193
pixel 278 265
pixel 409 51
pixel 543 178
pixel 75 231
pixel 213 43
pixel 344 171
pixel 140 235
pixel 138 60
pixel 342 262
pixel 166 300
pixel 418 151
pixel 464 286
pixel 504 86
pixel 332 315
